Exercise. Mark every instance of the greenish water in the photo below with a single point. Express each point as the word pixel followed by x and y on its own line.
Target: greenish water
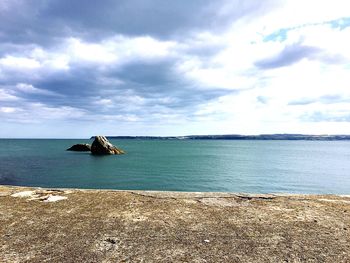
pixel 233 166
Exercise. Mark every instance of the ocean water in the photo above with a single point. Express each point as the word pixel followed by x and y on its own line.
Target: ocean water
pixel 182 165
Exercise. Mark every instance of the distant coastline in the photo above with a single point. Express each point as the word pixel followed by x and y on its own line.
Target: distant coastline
pixel 290 137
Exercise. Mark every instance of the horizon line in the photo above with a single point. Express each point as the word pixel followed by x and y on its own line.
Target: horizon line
pixel 177 136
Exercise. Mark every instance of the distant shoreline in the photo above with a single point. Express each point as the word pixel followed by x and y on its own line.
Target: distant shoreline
pixel 260 137
pixel 289 137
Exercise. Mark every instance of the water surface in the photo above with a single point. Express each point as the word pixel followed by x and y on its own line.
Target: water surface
pixel 182 165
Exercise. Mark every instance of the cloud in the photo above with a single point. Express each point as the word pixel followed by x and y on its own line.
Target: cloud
pixel 19 63
pixel 27 88
pixel 6 95
pixel 117 50
pixel 326 99
pixel 327 117
pixel 289 55
pixel 39 113
pixel 262 99
pixel 173 67
pixel 7 109
pixel 44 23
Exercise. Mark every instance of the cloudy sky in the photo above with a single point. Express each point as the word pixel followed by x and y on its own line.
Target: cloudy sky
pixel 164 67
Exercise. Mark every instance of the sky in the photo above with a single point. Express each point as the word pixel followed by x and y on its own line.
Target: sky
pixel 73 69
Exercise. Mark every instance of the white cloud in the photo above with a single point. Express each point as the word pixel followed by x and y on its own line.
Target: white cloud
pixel 104 102
pixel 118 50
pixel 91 52
pixel 296 13
pixel 43 112
pixel 39 113
pixel 19 63
pixel 6 96
pixel 7 109
pixel 233 67
pixel 145 47
pixel 121 117
pixel 28 88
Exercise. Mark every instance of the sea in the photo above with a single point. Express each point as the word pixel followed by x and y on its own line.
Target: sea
pixel 240 166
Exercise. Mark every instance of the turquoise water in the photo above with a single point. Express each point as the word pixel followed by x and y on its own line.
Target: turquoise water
pixel 233 166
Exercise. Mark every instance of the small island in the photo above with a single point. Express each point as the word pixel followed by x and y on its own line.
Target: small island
pixel 100 146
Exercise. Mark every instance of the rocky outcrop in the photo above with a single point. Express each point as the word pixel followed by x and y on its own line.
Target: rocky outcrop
pixel 102 146
pixel 81 147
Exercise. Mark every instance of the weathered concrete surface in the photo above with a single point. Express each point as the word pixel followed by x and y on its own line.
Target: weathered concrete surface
pixel 37 225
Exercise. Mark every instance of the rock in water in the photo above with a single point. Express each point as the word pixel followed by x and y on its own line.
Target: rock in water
pixel 102 146
pixel 81 147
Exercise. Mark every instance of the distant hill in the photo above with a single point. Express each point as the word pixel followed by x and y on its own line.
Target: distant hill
pixel 240 137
